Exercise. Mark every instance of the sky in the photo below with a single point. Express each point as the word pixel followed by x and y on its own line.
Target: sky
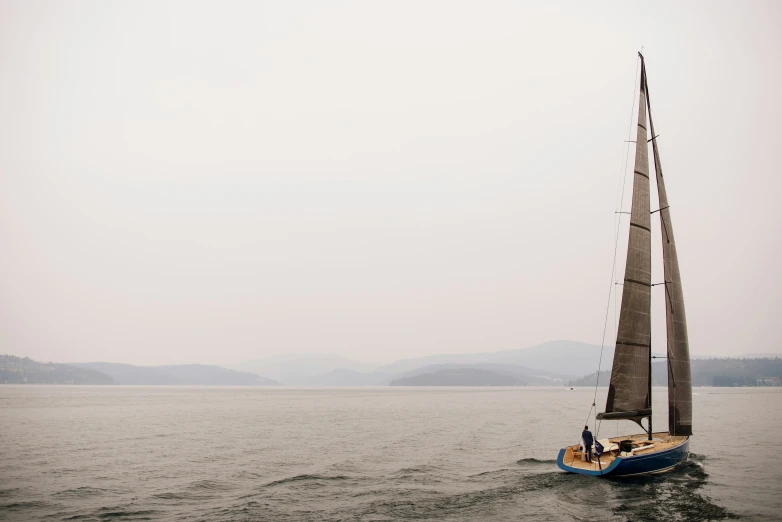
pixel 211 182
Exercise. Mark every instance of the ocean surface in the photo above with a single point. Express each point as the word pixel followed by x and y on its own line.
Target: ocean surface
pixel 365 454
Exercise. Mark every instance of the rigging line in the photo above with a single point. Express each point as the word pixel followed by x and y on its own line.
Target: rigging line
pixel 588 414
pixel 623 176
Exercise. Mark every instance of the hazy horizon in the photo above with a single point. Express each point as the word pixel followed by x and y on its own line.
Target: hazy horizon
pixel 194 182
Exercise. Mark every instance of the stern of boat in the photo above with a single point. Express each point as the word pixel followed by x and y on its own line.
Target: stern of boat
pixel 663 458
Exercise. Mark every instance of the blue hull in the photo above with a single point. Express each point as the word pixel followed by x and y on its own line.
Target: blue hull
pixel 635 465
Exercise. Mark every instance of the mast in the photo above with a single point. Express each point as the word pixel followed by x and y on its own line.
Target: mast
pixel 646 90
pixel 629 393
pixel 678 350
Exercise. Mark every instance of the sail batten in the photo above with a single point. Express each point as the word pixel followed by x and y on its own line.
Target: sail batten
pixel 629 387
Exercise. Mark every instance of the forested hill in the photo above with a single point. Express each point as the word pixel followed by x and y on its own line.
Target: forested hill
pixel 764 371
pixel 18 370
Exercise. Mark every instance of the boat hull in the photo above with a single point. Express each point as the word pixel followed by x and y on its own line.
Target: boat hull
pixel 657 462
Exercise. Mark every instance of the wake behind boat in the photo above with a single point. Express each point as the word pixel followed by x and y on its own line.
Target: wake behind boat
pixel 630 389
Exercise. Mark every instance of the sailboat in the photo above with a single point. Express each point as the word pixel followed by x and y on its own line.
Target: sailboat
pixel 630 389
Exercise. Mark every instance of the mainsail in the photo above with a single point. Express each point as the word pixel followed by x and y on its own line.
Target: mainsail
pixel 679 381
pixel 629 391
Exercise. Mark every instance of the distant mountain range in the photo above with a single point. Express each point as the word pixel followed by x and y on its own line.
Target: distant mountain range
pixel 561 357
pixel 310 370
pixel 23 370
pixel 459 377
pixel 18 370
pixel 553 363
pixel 181 374
pixel 504 373
pixel 344 377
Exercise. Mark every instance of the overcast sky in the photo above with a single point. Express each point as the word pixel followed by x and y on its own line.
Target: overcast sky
pixel 218 181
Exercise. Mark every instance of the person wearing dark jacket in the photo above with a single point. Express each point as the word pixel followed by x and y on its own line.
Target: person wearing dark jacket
pixel 587 440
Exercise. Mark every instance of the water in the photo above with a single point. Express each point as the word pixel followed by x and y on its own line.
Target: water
pixel 363 454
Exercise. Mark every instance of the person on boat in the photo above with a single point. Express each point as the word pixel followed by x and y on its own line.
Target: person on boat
pixel 586 441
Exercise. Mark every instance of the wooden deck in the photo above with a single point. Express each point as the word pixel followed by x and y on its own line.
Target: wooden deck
pixel 660 441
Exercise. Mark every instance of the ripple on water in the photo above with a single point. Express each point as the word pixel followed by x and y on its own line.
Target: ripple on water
pixel 306 479
pixel 81 492
pixel 25 505
pixel 8 493
pixel 126 513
